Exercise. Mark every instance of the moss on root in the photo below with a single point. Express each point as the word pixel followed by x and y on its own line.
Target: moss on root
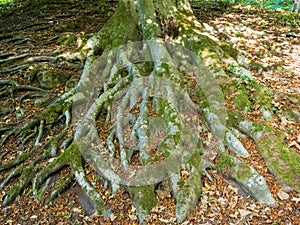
pixel 52 113
pixel 17 189
pixel 241 100
pixel 143 198
pixel 282 161
pixel 224 164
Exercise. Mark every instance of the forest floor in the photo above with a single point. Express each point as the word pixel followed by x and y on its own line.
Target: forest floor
pixel 271 39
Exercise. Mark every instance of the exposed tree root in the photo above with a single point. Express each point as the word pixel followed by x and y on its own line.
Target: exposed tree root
pixel 281 160
pixel 14 58
pixel 26 162
pixel 26 175
pixel 14 86
pixel 156 96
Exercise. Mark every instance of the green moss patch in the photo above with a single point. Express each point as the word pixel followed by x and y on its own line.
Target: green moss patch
pixel 241 100
pixel 282 161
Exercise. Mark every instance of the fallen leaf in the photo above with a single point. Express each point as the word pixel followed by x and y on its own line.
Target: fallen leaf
pixel 244 212
pixel 112 217
pixel 283 195
pixel 297 200
pixel 132 216
pixel 284 121
pixel 233 215
pixel 77 210
pixel 163 194
pixel 163 220
pixel 294 143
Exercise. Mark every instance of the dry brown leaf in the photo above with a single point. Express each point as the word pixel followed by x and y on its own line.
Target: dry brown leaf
pixel 244 212
pixel 294 143
pixel 163 194
pixel 297 200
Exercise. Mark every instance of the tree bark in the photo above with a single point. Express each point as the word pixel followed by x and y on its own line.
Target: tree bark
pixel 296 6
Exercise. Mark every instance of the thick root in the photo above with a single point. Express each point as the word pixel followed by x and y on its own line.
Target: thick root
pixel 282 161
pixel 17 189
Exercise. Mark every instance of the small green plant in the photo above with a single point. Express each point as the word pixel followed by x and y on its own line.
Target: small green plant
pixel 68 216
pixel 5 1
pixel 286 5
pixel 5 4
pixel 208 200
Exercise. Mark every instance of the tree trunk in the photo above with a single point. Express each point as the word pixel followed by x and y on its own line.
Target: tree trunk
pixel 296 6
pixel 153 81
